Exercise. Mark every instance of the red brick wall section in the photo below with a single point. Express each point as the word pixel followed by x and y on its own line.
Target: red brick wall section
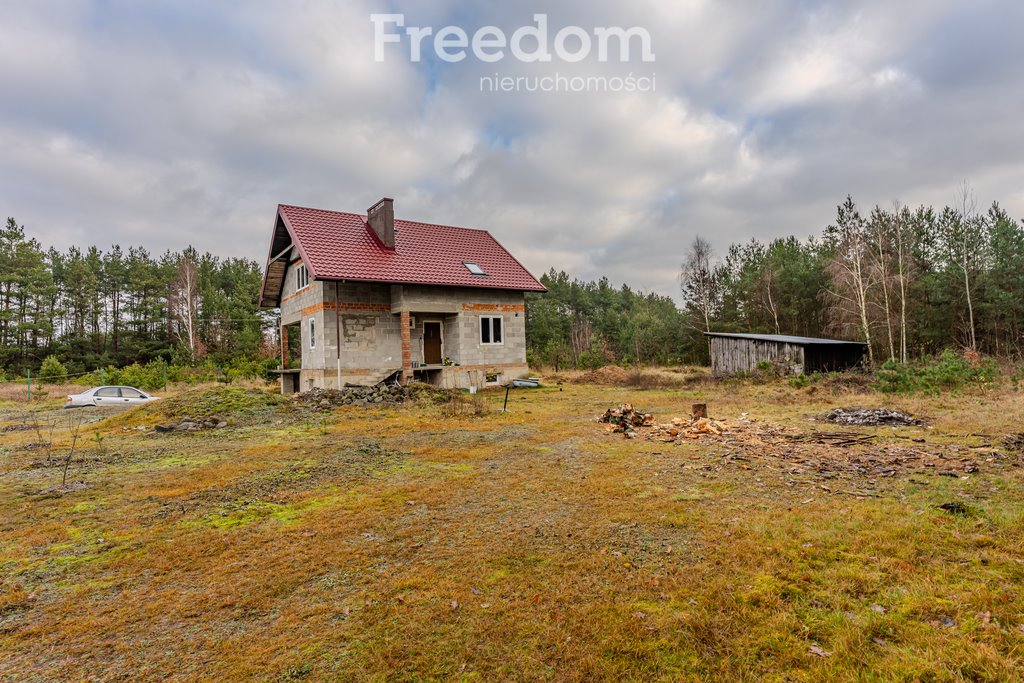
pixel 352 308
pixel 406 348
pixel 494 308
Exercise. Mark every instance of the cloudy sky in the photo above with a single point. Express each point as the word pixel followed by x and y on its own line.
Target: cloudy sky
pixel 181 122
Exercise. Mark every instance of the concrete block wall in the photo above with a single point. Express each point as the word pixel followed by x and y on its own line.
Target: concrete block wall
pixel 461 309
pixel 452 345
pixel 370 335
pixel 363 318
pixel 508 305
pixel 298 307
pixel 462 330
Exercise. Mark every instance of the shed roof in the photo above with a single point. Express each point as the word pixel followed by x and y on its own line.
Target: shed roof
pixel 784 338
pixel 342 246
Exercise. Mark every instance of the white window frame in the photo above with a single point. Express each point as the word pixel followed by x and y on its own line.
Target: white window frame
pixel 475 268
pixel 490 325
pixel 312 333
pixel 301 277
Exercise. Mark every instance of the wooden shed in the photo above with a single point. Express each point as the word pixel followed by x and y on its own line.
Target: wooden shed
pixel 735 353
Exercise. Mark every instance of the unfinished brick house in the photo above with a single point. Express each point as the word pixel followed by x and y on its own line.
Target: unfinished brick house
pixel 363 297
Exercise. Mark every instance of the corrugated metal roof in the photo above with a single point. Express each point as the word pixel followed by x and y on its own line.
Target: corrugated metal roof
pixel 783 338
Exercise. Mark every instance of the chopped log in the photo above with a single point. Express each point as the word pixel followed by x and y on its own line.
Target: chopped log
pixel 699 410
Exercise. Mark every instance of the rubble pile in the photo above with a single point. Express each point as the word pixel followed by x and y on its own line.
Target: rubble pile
pixel 189 424
pixel 884 461
pixel 1014 442
pixel 872 417
pixel 629 421
pixel 326 399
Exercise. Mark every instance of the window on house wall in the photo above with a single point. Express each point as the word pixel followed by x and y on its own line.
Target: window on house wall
pixel 490 329
pixel 301 277
pixel 312 333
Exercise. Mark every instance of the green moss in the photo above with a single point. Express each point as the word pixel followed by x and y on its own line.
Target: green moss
pixel 172 461
pixel 230 403
pixel 243 512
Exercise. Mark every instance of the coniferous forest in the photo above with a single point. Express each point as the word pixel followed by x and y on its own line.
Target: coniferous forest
pixel 92 308
pixel 911 282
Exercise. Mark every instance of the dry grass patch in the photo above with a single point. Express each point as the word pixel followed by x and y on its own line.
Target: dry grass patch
pixel 402 543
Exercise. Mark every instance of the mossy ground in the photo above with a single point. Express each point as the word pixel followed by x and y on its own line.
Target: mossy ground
pixel 400 543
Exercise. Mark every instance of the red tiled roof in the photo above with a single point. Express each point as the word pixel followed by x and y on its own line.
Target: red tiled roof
pixel 342 246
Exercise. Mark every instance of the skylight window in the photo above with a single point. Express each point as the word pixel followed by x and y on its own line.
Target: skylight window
pixel 473 268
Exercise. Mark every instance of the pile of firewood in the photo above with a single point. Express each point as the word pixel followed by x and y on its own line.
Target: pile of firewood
pixel 626 419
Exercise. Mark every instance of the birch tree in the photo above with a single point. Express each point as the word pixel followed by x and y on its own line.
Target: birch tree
pixel 698 282
pixel 184 300
pixel 850 271
pixel 881 226
pixel 964 234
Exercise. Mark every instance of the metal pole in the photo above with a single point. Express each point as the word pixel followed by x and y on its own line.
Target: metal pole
pixel 507 388
pixel 337 328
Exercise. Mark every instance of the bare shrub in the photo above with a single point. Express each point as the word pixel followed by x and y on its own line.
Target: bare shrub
pixel 464 405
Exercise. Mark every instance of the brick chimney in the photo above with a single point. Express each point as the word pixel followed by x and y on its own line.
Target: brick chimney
pixel 381 217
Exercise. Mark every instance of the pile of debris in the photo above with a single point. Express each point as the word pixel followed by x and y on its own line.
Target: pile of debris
pixel 1014 442
pixel 626 419
pixel 189 424
pixel 629 421
pixel 326 399
pixel 872 417
pixel 681 428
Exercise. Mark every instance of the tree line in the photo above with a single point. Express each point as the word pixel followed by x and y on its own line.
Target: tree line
pixel 589 324
pixel 93 308
pixel 910 282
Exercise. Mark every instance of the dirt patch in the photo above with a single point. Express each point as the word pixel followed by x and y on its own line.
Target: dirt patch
pixel 613 375
pixel 64 488
pixel 854 457
pixel 609 374
pixel 872 417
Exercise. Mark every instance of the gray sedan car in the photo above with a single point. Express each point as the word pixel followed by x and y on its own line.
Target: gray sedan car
pixel 109 396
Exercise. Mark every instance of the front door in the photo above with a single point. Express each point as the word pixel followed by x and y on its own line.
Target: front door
pixel 432 343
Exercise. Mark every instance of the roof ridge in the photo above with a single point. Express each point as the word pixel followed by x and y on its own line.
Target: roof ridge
pixel 404 220
pixel 341 245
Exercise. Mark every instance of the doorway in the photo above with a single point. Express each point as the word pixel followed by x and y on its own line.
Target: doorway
pixel 432 354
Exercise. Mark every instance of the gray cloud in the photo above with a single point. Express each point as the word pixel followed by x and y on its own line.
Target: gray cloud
pixel 163 124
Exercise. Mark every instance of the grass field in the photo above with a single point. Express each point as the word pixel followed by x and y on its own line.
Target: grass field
pixel 410 543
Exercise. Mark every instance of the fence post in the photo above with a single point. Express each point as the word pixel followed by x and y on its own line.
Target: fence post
pixel 28 374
